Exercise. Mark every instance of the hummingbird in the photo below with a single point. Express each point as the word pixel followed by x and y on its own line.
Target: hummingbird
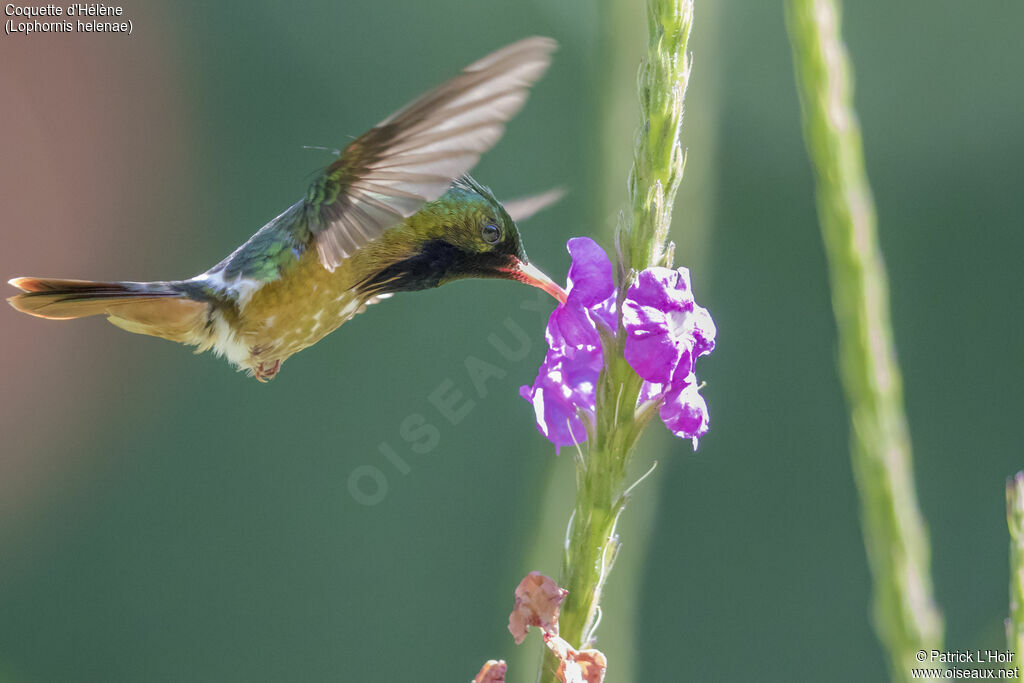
pixel 395 212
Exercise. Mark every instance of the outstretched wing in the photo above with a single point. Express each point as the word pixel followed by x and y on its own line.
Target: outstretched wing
pixel 521 208
pixel 411 158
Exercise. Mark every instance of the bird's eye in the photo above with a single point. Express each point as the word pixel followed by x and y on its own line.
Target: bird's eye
pixel 491 234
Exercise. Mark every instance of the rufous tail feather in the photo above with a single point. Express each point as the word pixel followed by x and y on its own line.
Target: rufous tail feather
pixel 153 308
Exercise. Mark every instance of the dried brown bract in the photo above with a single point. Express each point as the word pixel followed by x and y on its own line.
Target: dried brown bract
pixel 492 672
pixel 538 599
pixel 577 666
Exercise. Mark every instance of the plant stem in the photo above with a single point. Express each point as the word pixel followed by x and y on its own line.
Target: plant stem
pixel 591 543
pixel 1015 522
pixel 658 157
pixel 905 615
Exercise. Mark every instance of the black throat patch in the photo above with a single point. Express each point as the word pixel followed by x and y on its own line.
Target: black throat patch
pixel 437 262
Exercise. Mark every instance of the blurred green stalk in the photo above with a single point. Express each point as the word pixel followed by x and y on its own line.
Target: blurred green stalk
pixel 601 494
pixel 658 156
pixel 1015 522
pixel 905 615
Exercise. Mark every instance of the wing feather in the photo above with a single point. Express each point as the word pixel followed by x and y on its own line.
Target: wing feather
pixel 521 208
pixel 412 157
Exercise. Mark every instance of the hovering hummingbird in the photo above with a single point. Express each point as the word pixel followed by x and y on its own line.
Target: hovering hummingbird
pixel 395 212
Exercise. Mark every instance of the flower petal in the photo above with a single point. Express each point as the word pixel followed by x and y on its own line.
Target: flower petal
pixel 590 276
pixel 570 326
pixel 665 329
pixel 663 289
pixel 650 348
pixel 563 386
pixel 703 331
pixel 650 391
pixel 684 412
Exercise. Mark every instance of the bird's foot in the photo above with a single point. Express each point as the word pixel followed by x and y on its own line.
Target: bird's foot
pixel 266 370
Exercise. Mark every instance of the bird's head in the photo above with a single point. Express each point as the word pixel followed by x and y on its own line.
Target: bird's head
pixel 465 233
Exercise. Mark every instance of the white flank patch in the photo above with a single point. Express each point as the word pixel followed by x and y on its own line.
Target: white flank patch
pixel 226 343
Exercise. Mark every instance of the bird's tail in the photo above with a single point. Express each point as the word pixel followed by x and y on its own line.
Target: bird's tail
pixel 158 309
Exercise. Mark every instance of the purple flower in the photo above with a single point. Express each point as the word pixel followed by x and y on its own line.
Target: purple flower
pixel 567 378
pixel 666 331
pixel 564 384
pixel 591 297
pixel 684 411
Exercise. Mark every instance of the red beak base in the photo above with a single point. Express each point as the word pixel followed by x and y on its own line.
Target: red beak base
pixel 532 275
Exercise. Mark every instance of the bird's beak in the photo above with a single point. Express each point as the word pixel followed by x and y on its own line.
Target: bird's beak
pixel 532 275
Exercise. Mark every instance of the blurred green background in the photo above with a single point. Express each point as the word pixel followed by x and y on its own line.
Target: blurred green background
pixel 163 518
